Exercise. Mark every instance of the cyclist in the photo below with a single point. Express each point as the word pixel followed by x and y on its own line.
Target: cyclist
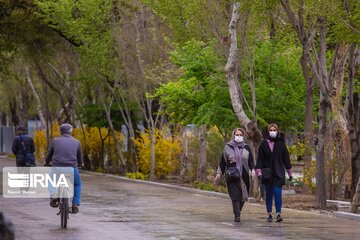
pixel 65 151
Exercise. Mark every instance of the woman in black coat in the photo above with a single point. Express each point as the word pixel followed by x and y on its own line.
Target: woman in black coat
pixel 18 147
pixel 273 159
pixel 237 154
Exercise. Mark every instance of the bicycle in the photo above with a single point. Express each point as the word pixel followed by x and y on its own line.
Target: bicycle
pixel 64 208
pixel 63 200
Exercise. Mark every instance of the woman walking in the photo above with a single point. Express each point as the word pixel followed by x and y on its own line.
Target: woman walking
pixel 273 159
pixel 236 162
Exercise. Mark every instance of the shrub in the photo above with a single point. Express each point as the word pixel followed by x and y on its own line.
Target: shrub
pixel 136 175
pixel 167 151
pixel 96 148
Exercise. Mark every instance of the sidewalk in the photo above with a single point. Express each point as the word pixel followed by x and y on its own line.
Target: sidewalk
pixel 114 208
pixel 290 212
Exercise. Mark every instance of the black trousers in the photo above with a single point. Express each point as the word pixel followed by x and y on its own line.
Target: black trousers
pixel 237 207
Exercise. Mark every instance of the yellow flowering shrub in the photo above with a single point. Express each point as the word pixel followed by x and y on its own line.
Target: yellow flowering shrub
pixel 93 143
pixel 40 144
pixel 309 174
pixel 167 151
pixel 40 141
pixel 136 175
pixel 296 150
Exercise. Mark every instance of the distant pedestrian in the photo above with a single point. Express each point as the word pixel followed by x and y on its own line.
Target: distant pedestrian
pixel 23 144
pixel 273 159
pixel 236 164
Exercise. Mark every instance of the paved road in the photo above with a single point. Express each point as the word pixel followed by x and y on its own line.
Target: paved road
pixel 116 209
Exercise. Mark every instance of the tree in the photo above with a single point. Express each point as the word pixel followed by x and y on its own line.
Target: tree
pixel 352 110
pixel 199 96
pixel 312 29
pixel 231 69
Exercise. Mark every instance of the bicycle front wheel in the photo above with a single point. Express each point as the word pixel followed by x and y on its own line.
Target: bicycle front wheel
pixel 64 208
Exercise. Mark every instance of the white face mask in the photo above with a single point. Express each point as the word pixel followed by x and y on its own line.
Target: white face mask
pixel 239 139
pixel 273 134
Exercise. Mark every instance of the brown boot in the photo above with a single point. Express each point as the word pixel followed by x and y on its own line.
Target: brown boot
pixel 74 208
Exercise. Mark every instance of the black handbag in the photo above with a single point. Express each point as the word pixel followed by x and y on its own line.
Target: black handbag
pixel 232 173
pixel 266 173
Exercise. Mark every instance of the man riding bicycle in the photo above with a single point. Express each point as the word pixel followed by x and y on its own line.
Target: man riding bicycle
pixel 65 151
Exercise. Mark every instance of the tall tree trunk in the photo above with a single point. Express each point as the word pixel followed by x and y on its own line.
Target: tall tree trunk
pixel 133 154
pixel 23 106
pixel 113 134
pixel 55 88
pixel 355 141
pixel 316 58
pixel 352 108
pixel 356 199
pixel 185 156
pixel 48 118
pixel 309 136
pixel 233 81
pixel 87 161
pixel 126 115
pixel 44 122
pixel 41 115
pixel 13 111
pixel 324 110
pixel 340 148
pixel 201 173
pixel 152 152
pixel 102 150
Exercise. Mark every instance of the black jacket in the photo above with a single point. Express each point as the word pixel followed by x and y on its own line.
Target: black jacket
pixel 18 150
pixel 278 160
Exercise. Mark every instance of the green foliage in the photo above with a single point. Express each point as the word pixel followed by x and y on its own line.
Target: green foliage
pixel 215 146
pixel 94 116
pixel 357 86
pixel 203 186
pixel 19 26
pixel 85 24
pixel 136 175
pixel 200 95
pixel 209 187
pixel 192 19
pixel 280 86
pixel 344 20
pixel 100 170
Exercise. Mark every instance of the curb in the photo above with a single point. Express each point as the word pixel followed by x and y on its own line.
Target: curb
pixel 352 216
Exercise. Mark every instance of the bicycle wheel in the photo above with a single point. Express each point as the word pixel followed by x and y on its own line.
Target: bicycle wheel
pixel 64 209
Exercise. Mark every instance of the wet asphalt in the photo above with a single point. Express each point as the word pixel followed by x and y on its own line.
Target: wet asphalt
pixel 114 208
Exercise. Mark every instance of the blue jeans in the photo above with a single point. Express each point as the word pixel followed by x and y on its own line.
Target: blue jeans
pixel 77 185
pixel 273 192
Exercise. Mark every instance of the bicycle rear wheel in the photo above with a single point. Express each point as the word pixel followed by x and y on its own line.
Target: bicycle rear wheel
pixel 64 208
